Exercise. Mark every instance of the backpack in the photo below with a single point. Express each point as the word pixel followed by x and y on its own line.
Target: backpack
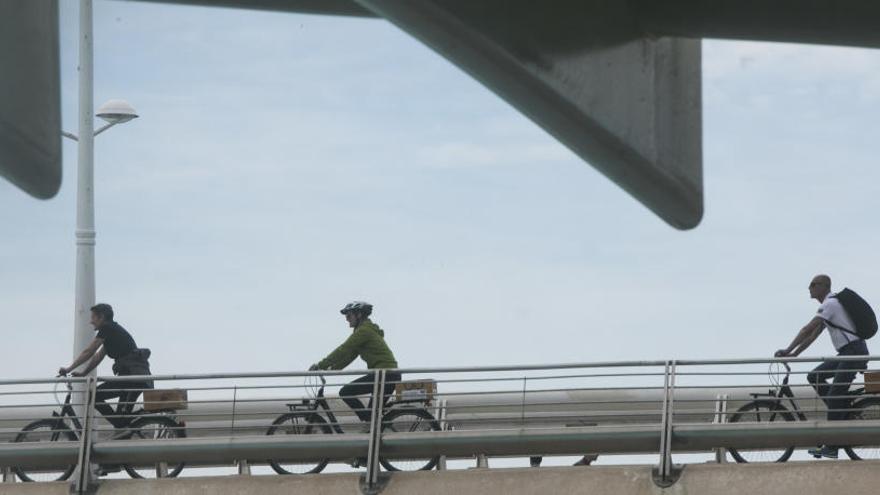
pixel 859 312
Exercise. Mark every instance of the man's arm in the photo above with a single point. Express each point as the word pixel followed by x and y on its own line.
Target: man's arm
pixel 89 352
pixel 804 338
pixel 96 360
pixel 343 355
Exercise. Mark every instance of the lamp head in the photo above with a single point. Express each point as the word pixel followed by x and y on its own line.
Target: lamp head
pixel 116 112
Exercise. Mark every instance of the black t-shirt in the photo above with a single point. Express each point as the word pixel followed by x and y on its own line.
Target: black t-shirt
pixel 117 341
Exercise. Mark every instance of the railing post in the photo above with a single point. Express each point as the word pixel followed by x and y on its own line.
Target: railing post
pixel 85 480
pixel 665 475
pixel 720 418
pixel 244 467
pixel 8 475
pixel 371 484
pixel 441 417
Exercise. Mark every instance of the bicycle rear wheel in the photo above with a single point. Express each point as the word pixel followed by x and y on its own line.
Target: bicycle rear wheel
pixel 45 430
pixel 761 411
pixel 409 420
pixel 155 428
pixel 296 424
pixel 864 409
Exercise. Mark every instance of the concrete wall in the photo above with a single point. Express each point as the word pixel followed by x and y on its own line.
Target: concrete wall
pixel 795 478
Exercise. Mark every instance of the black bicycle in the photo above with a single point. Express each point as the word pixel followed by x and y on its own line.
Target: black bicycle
pixel 769 407
pixel 65 426
pixel 314 416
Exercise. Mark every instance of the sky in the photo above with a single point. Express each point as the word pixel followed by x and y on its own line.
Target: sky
pixel 284 165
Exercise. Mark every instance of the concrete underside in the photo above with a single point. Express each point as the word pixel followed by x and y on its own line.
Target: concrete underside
pixel 796 478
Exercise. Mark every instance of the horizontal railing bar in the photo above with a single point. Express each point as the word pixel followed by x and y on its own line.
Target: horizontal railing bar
pixel 808 359
pixel 781 434
pixel 536 378
pixel 31 381
pixel 473 369
pixel 567 440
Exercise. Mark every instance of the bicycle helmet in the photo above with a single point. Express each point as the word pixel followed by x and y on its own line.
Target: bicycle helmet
pixel 360 306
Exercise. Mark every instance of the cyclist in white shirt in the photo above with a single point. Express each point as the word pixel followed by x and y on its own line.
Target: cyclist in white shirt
pixel 830 315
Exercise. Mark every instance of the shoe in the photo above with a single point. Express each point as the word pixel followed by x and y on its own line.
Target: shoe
pixel 824 451
pixel 357 462
pixel 106 469
pixel 586 460
pixel 535 461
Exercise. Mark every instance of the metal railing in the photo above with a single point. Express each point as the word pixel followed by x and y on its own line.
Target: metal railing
pixel 663 408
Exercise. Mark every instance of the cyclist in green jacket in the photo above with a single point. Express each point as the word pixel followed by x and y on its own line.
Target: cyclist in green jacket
pixel 367 340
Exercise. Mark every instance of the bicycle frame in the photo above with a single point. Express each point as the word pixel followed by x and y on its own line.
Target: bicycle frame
pixel 308 407
pixel 784 392
pixel 68 413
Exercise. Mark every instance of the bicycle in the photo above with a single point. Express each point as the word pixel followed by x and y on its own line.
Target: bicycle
pixel 772 409
pixel 154 425
pixel 308 417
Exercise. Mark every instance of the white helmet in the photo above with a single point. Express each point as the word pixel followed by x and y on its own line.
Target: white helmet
pixel 362 307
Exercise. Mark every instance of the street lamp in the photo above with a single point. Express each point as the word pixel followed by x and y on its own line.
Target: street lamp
pixel 113 112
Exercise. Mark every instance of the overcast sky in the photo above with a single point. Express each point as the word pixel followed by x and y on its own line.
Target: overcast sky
pixel 286 164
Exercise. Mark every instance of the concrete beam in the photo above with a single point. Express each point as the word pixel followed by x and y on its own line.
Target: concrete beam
pixel 30 96
pixel 827 22
pixel 793 478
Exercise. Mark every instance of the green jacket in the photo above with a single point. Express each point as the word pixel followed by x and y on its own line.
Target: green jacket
pixel 366 341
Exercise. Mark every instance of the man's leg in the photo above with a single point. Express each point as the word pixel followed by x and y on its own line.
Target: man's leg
pixel 838 402
pixel 127 401
pixel 846 373
pixel 835 394
pixel 360 386
pixel 392 378
pixel 104 391
pixel 819 377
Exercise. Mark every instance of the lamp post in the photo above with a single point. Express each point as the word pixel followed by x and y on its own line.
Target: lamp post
pixel 113 112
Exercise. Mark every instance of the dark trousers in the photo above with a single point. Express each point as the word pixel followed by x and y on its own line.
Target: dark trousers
pixel 364 386
pixel 841 374
pixel 127 392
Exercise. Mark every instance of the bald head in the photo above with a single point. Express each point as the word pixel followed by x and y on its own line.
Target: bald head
pixel 820 287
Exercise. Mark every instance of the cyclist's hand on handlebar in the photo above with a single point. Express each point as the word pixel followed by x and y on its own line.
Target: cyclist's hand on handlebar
pixel 77 373
pixel 313 367
pixel 62 371
pixel 781 353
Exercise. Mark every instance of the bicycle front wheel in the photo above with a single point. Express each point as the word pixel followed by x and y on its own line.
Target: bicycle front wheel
pixel 403 421
pixel 45 430
pixel 761 411
pixel 295 424
pixel 864 409
pixel 155 428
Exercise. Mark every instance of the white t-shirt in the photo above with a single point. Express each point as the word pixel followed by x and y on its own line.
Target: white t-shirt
pixel 832 311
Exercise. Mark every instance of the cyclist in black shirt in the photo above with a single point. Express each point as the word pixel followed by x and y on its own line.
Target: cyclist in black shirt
pixel 114 341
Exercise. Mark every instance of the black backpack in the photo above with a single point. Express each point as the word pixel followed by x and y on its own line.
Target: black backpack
pixel 859 312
